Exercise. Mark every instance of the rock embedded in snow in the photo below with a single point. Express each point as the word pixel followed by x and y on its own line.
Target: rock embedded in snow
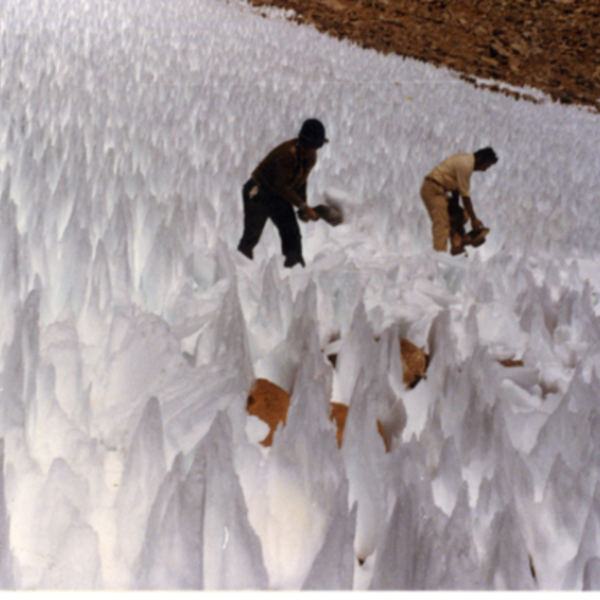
pixel 268 402
pixel 414 363
pixel 339 412
pixel 511 362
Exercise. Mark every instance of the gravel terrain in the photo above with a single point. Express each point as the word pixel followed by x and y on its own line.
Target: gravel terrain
pixel 550 45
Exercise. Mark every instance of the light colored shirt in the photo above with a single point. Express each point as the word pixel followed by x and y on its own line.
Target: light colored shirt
pixel 455 173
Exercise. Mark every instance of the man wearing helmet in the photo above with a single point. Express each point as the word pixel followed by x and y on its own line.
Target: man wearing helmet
pixel 440 193
pixel 278 185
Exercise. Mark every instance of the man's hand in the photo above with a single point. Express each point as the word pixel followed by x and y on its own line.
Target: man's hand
pixel 476 224
pixel 306 214
pixel 312 215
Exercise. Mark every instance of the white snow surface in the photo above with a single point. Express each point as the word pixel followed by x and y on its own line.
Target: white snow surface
pixel 131 329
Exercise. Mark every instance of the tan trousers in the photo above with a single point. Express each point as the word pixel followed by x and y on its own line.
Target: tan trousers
pixel 435 201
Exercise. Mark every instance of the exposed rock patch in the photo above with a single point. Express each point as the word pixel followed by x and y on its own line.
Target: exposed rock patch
pixel 414 363
pixel 550 45
pixel 269 403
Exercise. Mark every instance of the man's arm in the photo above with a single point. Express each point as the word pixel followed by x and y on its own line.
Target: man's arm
pixel 276 173
pixel 305 212
pixel 475 222
pixel 281 188
pixel 290 195
pixel 296 197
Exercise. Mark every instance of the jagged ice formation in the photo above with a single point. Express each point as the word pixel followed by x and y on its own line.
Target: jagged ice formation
pixel 131 330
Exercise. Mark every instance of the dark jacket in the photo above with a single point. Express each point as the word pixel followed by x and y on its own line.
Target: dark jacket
pixel 283 173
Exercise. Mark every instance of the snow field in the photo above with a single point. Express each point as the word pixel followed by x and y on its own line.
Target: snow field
pixel 131 330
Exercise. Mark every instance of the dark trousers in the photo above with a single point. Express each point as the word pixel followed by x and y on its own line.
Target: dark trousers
pixel 457 216
pixel 262 206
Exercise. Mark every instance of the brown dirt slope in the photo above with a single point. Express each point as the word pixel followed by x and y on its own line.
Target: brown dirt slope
pixel 550 45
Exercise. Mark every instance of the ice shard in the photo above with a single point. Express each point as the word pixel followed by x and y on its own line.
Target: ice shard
pixel 132 330
pixel 7 580
pixel 143 473
pixel 198 534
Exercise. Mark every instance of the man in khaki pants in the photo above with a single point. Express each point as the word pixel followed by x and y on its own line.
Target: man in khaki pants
pixel 453 176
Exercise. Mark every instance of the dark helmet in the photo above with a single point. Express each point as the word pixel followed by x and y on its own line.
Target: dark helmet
pixel 312 134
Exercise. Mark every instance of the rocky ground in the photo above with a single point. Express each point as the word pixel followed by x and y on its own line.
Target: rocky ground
pixel 551 45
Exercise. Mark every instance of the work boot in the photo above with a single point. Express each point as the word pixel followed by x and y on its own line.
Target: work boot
pixel 456 243
pixel 456 250
pixel 246 251
pixel 293 259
